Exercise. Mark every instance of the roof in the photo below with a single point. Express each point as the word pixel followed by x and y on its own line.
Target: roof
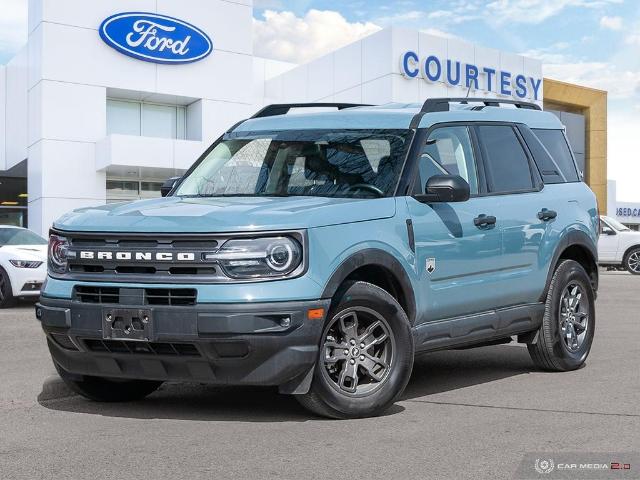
pixel 396 116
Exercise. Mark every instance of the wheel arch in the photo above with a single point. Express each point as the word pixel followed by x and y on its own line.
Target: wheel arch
pixel 380 268
pixel 578 246
pixel 628 251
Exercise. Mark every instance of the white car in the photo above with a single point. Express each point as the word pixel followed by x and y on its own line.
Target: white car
pixel 618 246
pixel 23 263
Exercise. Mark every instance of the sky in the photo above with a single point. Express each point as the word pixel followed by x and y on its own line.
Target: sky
pixel 590 42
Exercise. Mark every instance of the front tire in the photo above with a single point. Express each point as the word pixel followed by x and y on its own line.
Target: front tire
pixel 632 261
pixel 566 334
pixel 100 389
pixel 6 292
pixel 366 355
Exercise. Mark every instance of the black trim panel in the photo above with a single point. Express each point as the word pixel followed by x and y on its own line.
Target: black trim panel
pixel 574 237
pixel 479 328
pixel 373 257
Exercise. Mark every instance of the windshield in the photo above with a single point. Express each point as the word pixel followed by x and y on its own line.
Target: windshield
pixel 615 224
pixel 18 236
pixel 342 163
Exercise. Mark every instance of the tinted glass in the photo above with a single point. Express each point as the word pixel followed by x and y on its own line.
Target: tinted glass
pixel 556 144
pixel 506 161
pixel 18 236
pixel 348 163
pixel 448 151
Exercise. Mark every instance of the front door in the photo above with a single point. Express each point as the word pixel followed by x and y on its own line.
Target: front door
pixel 458 245
pixel 607 243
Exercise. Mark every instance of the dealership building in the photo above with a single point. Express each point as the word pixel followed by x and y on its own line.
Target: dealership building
pixel 102 105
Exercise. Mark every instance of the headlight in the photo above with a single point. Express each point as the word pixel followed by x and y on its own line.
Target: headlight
pixel 25 263
pixel 258 257
pixel 58 250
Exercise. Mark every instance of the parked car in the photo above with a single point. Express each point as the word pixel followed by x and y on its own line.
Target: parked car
pixel 618 246
pixel 351 241
pixel 23 268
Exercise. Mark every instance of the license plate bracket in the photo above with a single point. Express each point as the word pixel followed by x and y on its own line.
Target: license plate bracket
pixel 127 324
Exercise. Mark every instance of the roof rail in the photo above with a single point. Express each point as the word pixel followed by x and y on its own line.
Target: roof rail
pixel 432 105
pixel 442 104
pixel 283 108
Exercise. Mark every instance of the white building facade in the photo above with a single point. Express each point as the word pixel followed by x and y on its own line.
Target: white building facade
pixel 94 124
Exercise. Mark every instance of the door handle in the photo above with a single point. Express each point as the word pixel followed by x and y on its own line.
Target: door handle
pixel 545 215
pixel 484 220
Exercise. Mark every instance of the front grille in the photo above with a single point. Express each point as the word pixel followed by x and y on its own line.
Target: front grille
pixel 97 294
pixel 141 348
pixel 177 297
pixel 139 258
pixel 170 296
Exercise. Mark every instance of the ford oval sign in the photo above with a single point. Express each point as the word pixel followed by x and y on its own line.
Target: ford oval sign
pixel 155 38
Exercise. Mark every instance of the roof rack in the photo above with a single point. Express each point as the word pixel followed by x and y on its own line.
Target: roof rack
pixel 283 108
pixel 442 104
pixel 432 105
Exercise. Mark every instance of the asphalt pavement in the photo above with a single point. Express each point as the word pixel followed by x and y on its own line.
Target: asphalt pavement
pixel 465 414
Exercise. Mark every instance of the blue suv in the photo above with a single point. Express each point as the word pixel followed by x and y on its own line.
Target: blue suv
pixel 319 252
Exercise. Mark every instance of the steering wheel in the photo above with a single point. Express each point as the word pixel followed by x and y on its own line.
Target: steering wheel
pixel 366 186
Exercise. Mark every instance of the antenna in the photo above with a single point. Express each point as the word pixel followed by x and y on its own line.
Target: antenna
pixel 468 90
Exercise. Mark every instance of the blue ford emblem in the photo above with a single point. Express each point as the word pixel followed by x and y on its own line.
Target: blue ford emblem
pixel 155 38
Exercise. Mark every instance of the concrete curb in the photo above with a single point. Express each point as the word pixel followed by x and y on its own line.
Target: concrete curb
pixel 53 388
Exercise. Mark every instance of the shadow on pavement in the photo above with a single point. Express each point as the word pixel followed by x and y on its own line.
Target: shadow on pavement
pixel 433 373
pixel 450 370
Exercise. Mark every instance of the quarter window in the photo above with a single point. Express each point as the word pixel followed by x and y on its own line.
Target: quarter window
pixel 448 151
pixel 506 162
pixel 556 145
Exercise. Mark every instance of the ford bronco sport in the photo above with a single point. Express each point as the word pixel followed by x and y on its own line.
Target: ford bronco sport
pixel 319 252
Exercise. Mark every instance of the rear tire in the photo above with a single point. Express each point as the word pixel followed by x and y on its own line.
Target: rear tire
pixel 366 355
pixel 100 389
pixel 6 292
pixel 632 261
pixel 566 334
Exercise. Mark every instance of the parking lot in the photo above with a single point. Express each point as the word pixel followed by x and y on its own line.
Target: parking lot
pixel 465 414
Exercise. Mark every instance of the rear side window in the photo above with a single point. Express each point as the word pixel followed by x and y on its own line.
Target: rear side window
pixel 506 163
pixel 557 148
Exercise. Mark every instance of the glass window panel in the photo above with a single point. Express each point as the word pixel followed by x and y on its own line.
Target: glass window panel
pixel 181 132
pixel 158 121
pixel 448 151
pixel 507 163
pixel 123 117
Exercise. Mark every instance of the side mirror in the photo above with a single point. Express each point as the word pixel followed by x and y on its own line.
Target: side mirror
pixel 168 185
pixel 608 231
pixel 445 188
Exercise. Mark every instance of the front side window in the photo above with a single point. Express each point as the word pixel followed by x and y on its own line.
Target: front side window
pixel 348 163
pixel 506 163
pixel 448 151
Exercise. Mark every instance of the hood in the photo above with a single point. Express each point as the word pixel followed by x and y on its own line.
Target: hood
pixel 630 233
pixel 231 214
pixel 25 252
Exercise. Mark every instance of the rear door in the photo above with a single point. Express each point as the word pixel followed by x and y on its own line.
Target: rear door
pixel 514 185
pixel 456 259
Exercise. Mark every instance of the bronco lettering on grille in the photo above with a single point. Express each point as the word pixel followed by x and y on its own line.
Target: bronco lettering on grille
pixel 139 256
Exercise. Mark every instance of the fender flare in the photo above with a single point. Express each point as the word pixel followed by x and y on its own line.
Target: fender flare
pixel 379 258
pixel 571 238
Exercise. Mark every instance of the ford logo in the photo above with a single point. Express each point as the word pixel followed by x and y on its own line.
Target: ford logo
pixel 155 38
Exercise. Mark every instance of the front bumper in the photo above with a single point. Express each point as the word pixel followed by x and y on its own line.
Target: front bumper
pixel 26 282
pixel 233 344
